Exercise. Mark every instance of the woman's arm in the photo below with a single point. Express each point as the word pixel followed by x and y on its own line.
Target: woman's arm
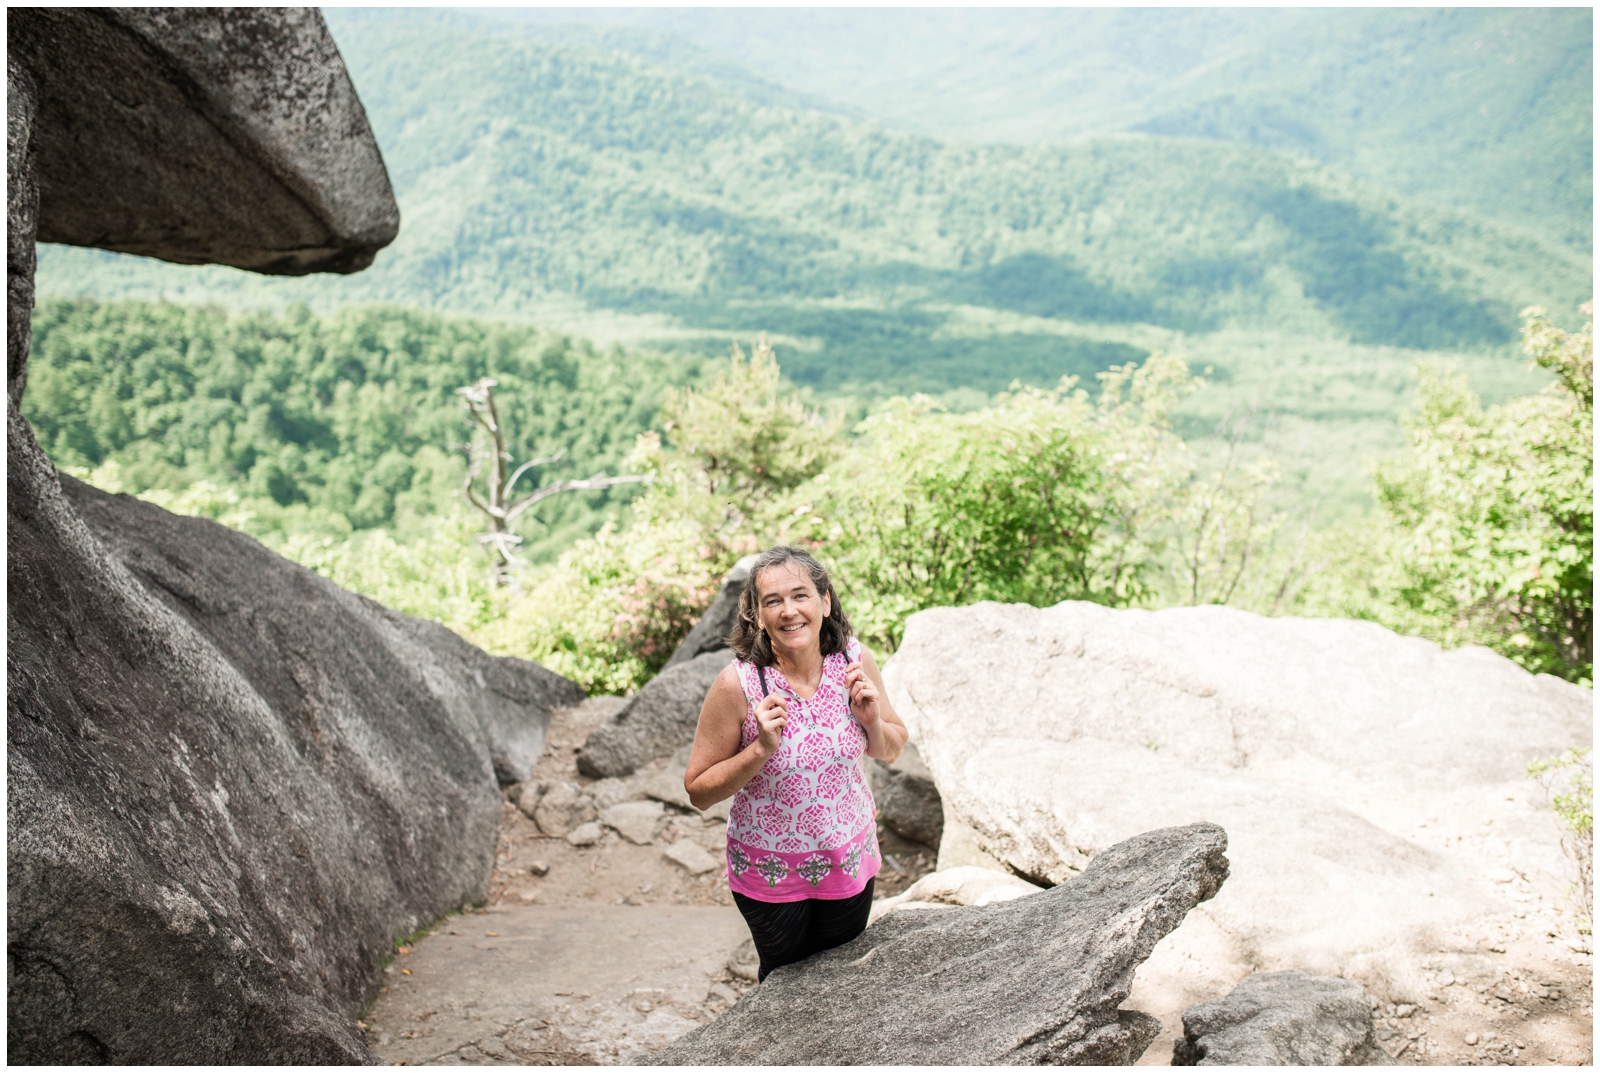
pixel 718 768
pixel 869 703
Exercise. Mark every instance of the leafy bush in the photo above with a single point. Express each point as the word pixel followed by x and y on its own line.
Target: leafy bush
pixel 1488 527
pixel 1569 780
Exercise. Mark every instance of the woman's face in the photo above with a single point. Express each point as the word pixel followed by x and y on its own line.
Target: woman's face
pixel 790 610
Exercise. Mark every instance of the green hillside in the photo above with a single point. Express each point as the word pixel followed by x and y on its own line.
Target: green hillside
pixel 1488 109
pixel 576 188
pixel 530 174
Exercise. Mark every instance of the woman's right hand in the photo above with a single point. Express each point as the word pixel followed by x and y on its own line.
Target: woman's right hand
pixel 771 714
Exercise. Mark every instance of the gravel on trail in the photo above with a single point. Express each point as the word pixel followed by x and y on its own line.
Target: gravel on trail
pixel 584 954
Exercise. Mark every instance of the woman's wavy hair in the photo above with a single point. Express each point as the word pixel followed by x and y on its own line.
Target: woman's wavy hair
pixel 750 642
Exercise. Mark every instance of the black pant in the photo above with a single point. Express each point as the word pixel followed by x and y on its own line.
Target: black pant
pixel 786 932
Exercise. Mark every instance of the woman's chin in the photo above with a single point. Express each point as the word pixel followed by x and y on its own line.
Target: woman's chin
pixel 791 644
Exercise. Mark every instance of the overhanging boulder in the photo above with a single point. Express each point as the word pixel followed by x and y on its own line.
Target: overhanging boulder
pixel 203 135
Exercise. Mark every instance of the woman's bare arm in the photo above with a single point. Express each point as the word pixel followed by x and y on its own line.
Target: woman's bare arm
pixel 718 768
pixel 869 703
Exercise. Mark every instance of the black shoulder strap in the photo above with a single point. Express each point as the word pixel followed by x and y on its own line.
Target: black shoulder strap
pixel 761 673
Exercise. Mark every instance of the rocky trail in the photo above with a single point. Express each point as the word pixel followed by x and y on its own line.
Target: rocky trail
pixel 605 946
pixel 586 952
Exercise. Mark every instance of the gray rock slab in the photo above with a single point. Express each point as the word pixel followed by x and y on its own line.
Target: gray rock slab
pixel 634 820
pixel 656 722
pixel 203 135
pixel 562 807
pixel 231 783
pixel 711 633
pixel 691 857
pixel 585 834
pixel 1372 785
pixel 1033 980
pixel 1286 1018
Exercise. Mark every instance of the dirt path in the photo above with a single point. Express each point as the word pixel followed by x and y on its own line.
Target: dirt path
pixel 584 954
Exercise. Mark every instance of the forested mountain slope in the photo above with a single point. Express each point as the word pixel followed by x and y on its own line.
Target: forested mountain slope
pixel 1488 109
pixel 347 421
pixel 532 175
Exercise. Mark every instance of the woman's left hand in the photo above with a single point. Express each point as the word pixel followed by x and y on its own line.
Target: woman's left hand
pixel 863 695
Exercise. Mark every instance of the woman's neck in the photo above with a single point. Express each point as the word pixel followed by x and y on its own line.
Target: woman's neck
pixel 803 671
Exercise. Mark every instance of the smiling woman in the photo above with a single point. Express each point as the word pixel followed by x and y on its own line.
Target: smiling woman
pixel 782 732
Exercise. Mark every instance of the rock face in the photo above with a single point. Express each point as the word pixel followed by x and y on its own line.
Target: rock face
pixel 908 802
pixel 22 220
pixel 231 784
pixel 1032 980
pixel 229 136
pixel 710 634
pixel 1371 784
pixel 1282 1019
pixel 658 721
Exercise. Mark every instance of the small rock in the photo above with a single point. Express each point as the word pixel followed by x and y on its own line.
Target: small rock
pixel 608 792
pixel 1404 1010
pixel 721 992
pixel 563 807
pixel 585 834
pixel 667 786
pixel 694 860
pixel 527 797
pixel 744 962
pixel 634 820
pixel 1283 1018
pixel 539 868
pixel 1470 1039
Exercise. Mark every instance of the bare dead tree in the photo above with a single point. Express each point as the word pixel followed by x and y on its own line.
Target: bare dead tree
pixel 498 505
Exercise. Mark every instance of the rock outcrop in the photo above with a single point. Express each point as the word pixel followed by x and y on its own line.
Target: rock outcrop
pixel 1283 1019
pixel 203 135
pixel 1372 785
pixel 1032 980
pixel 232 785
pixel 657 721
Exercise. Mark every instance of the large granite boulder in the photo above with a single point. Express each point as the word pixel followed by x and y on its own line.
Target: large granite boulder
pixel 1031 980
pixel 1283 1019
pixel 232 785
pixel 1372 785
pixel 203 135
pixel 657 721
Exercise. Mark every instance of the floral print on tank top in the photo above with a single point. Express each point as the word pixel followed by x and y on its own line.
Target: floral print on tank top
pixel 805 826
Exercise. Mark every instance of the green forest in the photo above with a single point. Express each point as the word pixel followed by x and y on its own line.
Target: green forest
pixel 1229 332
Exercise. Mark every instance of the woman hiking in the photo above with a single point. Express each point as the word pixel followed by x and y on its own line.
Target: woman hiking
pixel 782 732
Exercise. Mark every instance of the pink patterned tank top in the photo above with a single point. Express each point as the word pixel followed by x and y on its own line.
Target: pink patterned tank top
pixel 805 826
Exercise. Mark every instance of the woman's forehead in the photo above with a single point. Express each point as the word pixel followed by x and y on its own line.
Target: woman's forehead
pixel 784 577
